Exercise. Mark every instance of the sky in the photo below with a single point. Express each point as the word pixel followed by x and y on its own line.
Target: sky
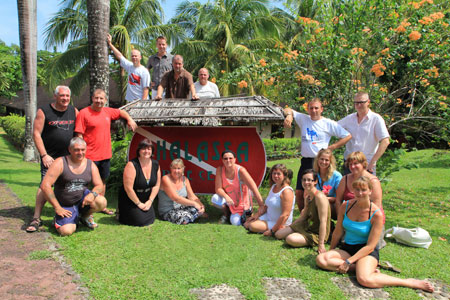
pixel 9 25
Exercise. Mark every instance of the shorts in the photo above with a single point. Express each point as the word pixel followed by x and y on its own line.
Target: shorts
pixel 76 211
pixel 352 249
pixel 305 164
pixel 103 168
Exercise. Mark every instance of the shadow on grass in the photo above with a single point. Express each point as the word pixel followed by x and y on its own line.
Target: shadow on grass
pixel 308 260
pixel 23 213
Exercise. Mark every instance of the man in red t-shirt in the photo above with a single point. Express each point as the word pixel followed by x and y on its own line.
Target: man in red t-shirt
pixel 93 124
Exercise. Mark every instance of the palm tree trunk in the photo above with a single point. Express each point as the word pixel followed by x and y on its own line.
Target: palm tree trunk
pixel 28 53
pixel 98 28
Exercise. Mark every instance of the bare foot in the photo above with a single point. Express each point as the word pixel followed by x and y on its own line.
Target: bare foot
pixel 421 284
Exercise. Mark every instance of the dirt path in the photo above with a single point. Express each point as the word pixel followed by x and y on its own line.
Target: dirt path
pixel 25 278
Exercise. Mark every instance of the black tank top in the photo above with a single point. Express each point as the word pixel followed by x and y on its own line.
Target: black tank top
pixel 69 187
pixel 58 130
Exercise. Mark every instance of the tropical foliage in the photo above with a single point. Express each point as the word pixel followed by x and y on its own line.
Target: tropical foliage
pixel 133 23
pixel 395 50
pixel 224 34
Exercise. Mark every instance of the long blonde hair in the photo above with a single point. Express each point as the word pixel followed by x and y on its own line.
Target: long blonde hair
pixel 331 167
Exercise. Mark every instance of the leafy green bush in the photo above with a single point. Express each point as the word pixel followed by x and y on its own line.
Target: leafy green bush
pixel 14 126
pixel 119 146
pixel 282 148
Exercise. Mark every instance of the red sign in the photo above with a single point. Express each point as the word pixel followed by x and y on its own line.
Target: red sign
pixel 201 149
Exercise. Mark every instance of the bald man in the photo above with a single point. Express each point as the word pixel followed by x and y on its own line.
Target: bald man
pixel 138 75
pixel 204 87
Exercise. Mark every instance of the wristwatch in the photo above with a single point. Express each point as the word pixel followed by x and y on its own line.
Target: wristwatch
pixel 95 194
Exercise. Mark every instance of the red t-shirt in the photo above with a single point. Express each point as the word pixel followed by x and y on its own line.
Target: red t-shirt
pixel 95 126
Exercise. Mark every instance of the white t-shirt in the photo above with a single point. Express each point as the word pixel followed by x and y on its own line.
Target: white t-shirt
pixel 138 79
pixel 317 134
pixel 366 135
pixel 209 90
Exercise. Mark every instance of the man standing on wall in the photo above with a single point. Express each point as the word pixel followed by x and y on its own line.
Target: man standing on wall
pixel 160 63
pixel 138 76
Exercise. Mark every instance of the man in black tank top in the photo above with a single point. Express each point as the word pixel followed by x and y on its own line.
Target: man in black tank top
pixel 53 128
pixel 73 201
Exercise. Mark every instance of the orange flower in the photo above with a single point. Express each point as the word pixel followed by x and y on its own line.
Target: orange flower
pixel 242 84
pixel 262 62
pixel 384 51
pixel 378 69
pixel 366 30
pixel 414 36
pixel 419 51
pixel 305 106
pixel 222 71
pixel 399 101
pixel 400 29
pixel 294 53
pixel 433 72
pixel 408 105
pixel 213 80
pixel 443 104
pixel 319 30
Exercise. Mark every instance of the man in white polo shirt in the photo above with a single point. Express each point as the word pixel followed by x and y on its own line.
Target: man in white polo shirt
pixel 316 132
pixel 368 130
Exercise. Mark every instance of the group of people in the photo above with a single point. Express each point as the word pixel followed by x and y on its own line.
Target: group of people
pixel 169 79
pixel 75 149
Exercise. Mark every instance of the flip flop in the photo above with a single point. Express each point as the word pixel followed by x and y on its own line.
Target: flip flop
pixel 388 266
pixel 34 225
pixel 107 212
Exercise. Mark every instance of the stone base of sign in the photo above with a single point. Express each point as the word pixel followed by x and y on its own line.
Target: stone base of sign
pixel 218 292
pixel 285 289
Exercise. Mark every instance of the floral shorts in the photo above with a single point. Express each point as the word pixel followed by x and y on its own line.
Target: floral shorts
pixel 181 215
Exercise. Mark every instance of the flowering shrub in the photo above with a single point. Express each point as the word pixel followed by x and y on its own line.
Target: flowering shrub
pixel 397 51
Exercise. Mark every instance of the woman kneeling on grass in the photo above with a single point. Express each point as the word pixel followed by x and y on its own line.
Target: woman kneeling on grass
pixel 362 221
pixel 313 226
pixel 177 202
pixel 279 203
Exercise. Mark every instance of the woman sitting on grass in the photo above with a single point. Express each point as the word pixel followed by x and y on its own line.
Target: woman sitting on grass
pixel 325 167
pixel 279 203
pixel 362 221
pixel 234 187
pixel 313 226
pixel 357 163
pixel 141 179
pixel 177 202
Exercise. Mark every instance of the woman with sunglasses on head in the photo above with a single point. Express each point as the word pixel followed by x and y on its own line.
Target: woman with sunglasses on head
pixel 312 228
pixel 360 221
pixel 234 188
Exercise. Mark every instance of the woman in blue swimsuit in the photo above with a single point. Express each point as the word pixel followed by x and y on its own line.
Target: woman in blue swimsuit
pixel 362 222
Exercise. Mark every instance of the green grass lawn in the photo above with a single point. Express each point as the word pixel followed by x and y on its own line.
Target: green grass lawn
pixel 164 261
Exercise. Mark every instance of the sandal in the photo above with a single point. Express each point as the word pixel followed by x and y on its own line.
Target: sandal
pixel 107 212
pixel 89 222
pixel 388 266
pixel 34 225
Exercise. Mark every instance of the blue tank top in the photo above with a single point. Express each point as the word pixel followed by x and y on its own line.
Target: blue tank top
pixel 356 232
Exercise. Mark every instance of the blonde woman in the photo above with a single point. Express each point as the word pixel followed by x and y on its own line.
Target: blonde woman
pixel 325 167
pixel 360 222
pixel 177 202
